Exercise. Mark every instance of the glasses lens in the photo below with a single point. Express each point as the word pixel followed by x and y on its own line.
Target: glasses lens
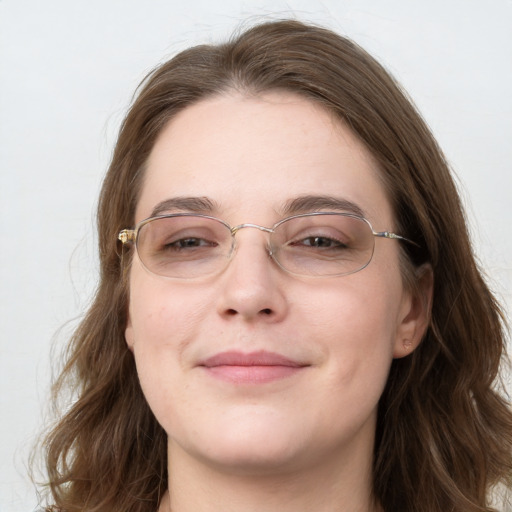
pixel 323 244
pixel 184 246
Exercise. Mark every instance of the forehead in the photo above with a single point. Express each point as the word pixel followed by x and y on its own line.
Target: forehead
pixel 253 155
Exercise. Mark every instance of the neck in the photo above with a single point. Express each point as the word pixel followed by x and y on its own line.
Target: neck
pixel 195 486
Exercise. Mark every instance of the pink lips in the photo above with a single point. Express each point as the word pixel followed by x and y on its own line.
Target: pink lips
pixel 250 368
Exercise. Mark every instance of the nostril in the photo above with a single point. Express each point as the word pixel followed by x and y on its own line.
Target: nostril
pixel 233 312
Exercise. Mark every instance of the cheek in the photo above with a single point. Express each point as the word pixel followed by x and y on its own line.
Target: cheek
pixel 355 314
pixel 163 322
pixel 162 315
pixel 356 325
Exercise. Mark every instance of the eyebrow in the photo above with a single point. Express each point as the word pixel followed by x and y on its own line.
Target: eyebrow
pixel 188 204
pixel 312 203
pixel 297 205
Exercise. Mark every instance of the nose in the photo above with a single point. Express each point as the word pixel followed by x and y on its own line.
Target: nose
pixel 252 286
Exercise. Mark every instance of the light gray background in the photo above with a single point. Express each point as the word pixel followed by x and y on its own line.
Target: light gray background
pixel 68 69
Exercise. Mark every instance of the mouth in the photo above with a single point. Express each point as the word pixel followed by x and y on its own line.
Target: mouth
pixel 251 368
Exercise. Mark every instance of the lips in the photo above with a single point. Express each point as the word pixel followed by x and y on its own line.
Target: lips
pixel 251 368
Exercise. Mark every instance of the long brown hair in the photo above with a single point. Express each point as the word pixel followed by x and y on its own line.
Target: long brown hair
pixel 444 434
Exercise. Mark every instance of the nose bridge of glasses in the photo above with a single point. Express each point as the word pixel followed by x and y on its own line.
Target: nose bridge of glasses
pixel 235 229
pixel 266 246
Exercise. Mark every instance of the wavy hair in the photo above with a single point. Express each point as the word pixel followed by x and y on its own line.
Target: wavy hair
pixel 444 429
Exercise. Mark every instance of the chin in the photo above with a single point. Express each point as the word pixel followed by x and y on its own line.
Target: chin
pixel 253 458
pixel 251 446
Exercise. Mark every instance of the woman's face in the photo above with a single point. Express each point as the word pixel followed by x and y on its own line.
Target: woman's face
pixel 255 369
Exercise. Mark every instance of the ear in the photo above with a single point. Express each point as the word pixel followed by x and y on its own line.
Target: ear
pixel 414 315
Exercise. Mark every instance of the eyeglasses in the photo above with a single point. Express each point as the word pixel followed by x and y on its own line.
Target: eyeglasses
pixel 323 244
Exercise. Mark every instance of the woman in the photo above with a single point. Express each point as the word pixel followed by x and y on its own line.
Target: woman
pixel 289 315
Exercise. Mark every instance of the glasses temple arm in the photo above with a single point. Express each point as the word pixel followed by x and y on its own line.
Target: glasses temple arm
pixel 393 236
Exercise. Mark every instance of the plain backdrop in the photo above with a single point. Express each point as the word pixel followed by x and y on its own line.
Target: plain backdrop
pixel 68 69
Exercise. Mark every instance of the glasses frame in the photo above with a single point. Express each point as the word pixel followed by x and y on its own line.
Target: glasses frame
pixel 127 236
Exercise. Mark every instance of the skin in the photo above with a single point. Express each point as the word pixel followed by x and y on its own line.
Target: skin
pixel 298 443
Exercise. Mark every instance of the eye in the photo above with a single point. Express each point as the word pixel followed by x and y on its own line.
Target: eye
pixel 320 242
pixel 188 243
